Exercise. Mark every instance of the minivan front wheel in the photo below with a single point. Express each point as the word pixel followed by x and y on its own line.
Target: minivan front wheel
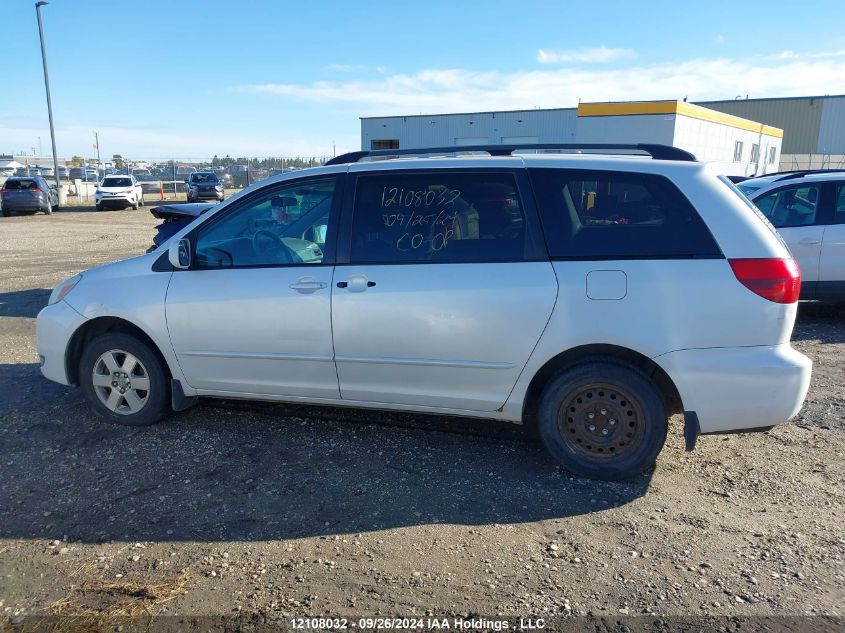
pixel 603 419
pixel 124 380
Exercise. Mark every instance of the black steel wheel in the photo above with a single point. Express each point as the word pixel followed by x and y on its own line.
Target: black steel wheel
pixel 603 419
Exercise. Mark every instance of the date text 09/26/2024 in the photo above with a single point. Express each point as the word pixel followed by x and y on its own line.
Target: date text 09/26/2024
pixel 416 624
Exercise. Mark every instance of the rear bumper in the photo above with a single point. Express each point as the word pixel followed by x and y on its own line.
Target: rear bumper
pixel 33 204
pixel 739 388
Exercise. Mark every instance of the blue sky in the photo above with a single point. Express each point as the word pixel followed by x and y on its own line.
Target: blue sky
pixel 189 78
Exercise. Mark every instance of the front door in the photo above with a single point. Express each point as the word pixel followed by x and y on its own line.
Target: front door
pixel 445 293
pixel 253 314
pixel 794 212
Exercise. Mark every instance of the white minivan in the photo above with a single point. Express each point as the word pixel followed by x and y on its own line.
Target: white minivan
pixel 588 295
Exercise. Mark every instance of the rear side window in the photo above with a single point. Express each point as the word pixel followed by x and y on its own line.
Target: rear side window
pixel 791 206
pixel 438 216
pixel 592 214
pixel 839 208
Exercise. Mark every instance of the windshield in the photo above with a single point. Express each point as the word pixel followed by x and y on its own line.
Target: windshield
pixel 204 178
pixel 117 182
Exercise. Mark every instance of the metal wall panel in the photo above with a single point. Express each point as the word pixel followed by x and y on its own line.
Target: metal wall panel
pixel 799 118
pixel 548 126
pixel 832 129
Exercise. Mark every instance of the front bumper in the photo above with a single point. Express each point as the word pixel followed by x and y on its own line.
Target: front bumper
pixel 739 388
pixel 54 328
pixel 116 201
pixel 205 195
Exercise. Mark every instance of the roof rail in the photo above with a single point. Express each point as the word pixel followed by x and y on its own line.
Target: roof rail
pixel 657 152
pixel 806 172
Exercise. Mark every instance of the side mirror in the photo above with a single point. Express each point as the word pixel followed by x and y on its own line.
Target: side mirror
pixel 179 254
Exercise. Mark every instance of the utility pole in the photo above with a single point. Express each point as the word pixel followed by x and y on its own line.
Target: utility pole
pixel 38 6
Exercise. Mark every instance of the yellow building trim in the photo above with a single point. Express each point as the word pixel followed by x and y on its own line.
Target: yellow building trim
pixel 678 108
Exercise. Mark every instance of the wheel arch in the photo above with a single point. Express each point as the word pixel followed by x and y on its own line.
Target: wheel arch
pixel 100 325
pixel 571 357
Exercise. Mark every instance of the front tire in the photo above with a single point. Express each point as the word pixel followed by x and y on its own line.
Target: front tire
pixel 99 207
pixel 603 419
pixel 124 380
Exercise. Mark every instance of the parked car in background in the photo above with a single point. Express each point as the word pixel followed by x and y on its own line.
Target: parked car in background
pixel 808 210
pixel 64 172
pixel 224 177
pixel 28 194
pixel 119 192
pixel 47 172
pixel 587 296
pixel 204 185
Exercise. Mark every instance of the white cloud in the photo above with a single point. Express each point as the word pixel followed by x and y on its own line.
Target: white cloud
pixel 450 90
pixel 598 55
pixel 719 39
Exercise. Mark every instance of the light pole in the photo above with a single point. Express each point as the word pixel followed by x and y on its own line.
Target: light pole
pixel 38 6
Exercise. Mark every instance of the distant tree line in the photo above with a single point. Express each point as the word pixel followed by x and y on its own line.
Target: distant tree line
pixel 270 162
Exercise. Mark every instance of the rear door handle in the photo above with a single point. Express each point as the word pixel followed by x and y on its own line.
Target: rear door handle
pixel 809 241
pixel 307 285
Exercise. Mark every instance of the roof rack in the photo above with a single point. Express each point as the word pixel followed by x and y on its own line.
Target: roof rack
pixel 805 172
pixel 657 152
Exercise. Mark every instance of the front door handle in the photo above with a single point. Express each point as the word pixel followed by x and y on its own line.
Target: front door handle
pixel 356 283
pixel 307 285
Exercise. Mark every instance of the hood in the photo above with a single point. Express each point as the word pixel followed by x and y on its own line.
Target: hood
pixel 179 211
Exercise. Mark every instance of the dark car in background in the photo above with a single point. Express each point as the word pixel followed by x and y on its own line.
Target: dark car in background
pixel 28 194
pixel 204 185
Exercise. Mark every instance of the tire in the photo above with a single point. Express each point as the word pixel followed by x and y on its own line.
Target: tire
pixel 49 209
pixel 99 207
pixel 5 213
pixel 628 427
pixel 110 353
pixel 141 201
pixel 134 205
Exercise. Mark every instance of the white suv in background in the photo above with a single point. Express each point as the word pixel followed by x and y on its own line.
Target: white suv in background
pixel 808 210
pixel 119 192
pixel 589 295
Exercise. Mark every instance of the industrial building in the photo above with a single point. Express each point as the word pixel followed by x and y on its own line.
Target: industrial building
pixel 814 127
pixel 745 137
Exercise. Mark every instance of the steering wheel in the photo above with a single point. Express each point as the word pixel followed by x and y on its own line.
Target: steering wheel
pixel 265 243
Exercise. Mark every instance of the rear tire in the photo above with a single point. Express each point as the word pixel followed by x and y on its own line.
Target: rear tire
pixel 124 380
pixel 49 209
pixel 603 419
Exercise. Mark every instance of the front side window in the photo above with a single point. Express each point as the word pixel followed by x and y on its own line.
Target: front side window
pixel 440 216
pixel 791 206
pixel 590 214
pixel 282 225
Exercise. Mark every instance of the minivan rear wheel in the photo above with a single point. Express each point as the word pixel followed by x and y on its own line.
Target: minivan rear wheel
pixel 603 419
pixel 124 380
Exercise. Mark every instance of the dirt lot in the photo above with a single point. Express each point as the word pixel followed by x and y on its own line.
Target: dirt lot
pixel 275 511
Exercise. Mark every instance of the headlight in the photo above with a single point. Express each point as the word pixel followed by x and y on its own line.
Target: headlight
pixel 62 290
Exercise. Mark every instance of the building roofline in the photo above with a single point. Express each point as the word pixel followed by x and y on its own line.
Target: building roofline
pixel 772 99
pixel 441 114
pixel 428 116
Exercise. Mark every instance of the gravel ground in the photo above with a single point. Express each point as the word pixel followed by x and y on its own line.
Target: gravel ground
pixel 275 511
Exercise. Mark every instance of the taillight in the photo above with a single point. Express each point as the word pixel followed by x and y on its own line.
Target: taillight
pixel 777 280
